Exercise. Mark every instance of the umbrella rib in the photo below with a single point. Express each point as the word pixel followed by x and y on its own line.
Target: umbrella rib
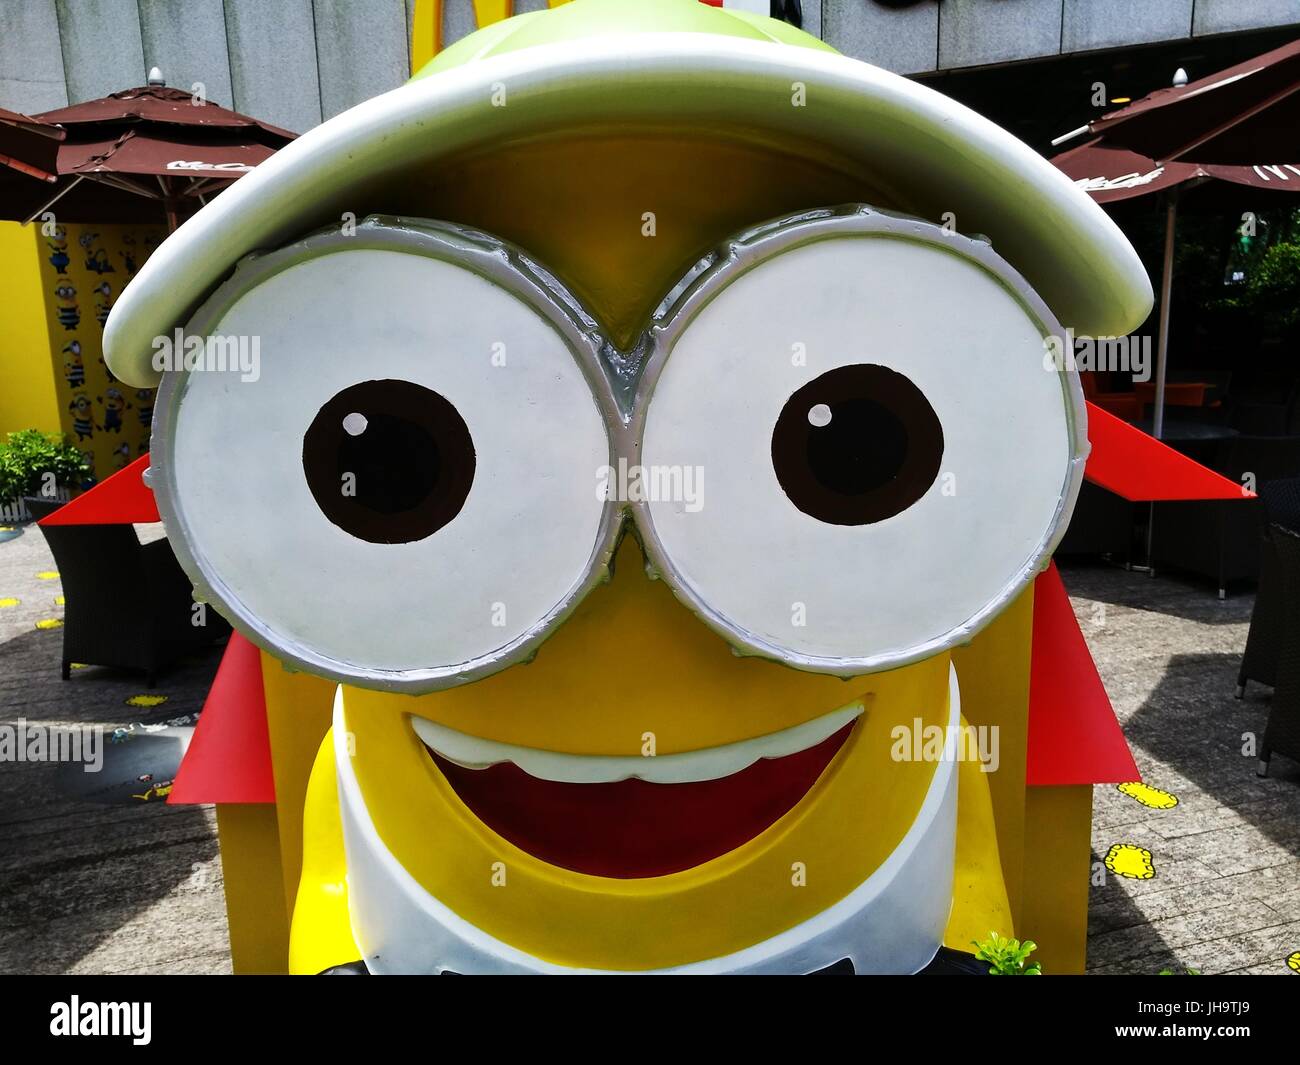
pixel 1071 135
pixel 54 199
pixel 198 188
pixel 118 182
pixel 26 168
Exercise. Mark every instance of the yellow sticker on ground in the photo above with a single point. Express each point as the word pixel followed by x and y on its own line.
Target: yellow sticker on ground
pixel 146 700
pixel 1293 962
pixel 9 601
pixel 1148 796
pixel 49 623
pixel 59 601
pixel 48 575
pixel 1130 861
pixel 78 665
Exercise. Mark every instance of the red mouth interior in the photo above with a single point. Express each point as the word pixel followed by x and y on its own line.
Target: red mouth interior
pixel 635 828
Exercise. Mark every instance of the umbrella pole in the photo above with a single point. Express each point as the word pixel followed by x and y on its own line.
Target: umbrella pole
pixel 1162 353
pixel 1166 287
pixel 169 204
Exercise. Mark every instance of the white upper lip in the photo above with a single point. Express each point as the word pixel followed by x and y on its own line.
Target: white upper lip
pixel 709 763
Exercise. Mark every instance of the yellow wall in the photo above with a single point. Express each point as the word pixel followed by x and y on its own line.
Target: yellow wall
pixel 28 398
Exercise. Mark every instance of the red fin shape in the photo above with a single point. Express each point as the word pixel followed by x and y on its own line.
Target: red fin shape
pixel 229 758
pixel 1074 737
pixel 122 499
pixel 1137 466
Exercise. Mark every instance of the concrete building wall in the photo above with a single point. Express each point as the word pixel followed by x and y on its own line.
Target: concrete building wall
pixel 297 62
pixel 936 35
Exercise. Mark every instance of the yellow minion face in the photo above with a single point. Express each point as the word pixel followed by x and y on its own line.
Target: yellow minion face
pixel 634 481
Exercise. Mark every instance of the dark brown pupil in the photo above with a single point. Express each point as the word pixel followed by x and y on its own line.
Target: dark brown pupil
pixel 857 445
pixel 389 461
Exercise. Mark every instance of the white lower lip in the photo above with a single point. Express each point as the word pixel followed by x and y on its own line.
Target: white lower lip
pixel 710 763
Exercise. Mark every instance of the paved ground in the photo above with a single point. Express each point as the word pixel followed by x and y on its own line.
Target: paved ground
pixel 115 884
pixel 95 880
pixel 1226 892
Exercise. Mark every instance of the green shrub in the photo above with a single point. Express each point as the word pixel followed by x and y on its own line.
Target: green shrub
pixel 1274 286
pixel 27 456
pixel 1008 957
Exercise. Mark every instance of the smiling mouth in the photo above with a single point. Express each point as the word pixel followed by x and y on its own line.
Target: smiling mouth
pixel 633 817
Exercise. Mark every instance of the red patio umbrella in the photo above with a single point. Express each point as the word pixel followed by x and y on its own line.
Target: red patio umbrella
pixel 130 154
pixel 1239 116
pixel 1123 460
pixel 1110 173
pixel 29 145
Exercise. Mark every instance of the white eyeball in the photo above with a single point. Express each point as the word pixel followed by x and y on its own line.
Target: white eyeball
pixel 403 494
pixel 884 457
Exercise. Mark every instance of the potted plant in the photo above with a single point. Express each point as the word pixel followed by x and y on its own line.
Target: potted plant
pixel 41 465
pixel 1006 956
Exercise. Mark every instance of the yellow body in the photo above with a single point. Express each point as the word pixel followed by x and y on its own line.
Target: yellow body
pixel 1022 864
pixel 1022 854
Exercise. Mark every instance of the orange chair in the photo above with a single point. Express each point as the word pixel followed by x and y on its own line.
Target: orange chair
pixel 1121 404
pixel 1177 393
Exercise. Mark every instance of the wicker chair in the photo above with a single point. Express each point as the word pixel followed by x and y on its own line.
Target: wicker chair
pixel 1281 502
pixel 1282 733
pixel 1259 661
pixel 128 605
pixel 1220 538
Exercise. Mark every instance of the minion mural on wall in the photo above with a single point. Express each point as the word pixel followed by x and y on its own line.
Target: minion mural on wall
pixel 57 248
pixel 89 405
pixel 97 259
pixel 638 488
pixel 74 367
pixel 67 310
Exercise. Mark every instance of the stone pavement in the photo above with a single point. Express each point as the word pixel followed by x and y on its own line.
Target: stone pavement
pixel 95 887
pixel 135 886
pixel 1225 897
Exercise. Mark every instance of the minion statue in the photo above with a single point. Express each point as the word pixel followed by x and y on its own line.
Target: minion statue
pixel 652 450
